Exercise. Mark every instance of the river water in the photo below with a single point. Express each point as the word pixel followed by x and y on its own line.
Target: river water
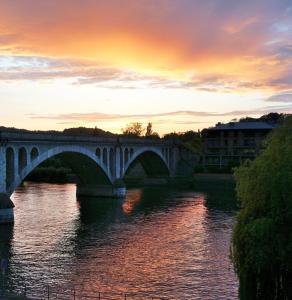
pixel 156 242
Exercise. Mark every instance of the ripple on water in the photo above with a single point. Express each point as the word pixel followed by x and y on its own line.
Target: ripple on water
pixel 155 242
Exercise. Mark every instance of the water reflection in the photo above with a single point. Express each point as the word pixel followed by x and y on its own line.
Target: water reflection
pixel 161 242
pixel 99 210
pixel 131 202
pixel 6 237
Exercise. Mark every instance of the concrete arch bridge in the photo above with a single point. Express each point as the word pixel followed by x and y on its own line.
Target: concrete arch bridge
pixel 101 164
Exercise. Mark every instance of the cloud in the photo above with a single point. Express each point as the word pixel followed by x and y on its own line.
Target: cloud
pixel 282 97
pixel 97 116
pixel 87 72
pixel 43 68
pixel 178 39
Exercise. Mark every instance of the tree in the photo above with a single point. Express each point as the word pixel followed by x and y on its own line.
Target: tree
pixel 262 236
pixel 191 139
pixel 133 129
pixel 149 130
pixel 150 133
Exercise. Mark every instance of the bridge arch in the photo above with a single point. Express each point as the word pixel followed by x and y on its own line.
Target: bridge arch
pixel 98 170
pixel 152 161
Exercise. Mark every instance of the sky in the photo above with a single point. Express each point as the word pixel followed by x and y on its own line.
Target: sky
pixel 180 64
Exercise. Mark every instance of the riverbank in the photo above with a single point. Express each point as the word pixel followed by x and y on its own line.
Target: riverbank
pixel 214 180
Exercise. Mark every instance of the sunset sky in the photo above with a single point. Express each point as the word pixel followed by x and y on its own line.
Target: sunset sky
pixel 181 64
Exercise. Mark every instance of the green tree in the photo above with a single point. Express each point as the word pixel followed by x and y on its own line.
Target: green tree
pixel 133 129
pixel 262 236
pixel 190 139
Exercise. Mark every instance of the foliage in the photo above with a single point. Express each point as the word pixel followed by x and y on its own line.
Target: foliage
pixel 83 131
pixel 133 129
pixel 262 236
pixel 273 118
pixel 50 174
pixel 77 131
pixel 150 133
pixel 192 140
pixel 149 130
pixel 52 170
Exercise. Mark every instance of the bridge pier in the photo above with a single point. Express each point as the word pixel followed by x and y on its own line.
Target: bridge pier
pixel 6 209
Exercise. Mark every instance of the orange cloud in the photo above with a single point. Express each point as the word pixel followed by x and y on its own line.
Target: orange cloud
pixel 180 39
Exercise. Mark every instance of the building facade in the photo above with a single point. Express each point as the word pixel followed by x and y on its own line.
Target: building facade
pixel 232 143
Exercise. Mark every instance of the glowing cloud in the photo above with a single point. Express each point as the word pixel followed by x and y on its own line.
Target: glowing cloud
pixel 207 47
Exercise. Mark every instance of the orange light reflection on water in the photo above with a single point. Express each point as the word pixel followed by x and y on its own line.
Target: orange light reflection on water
pixel 130 202
pixel 157 249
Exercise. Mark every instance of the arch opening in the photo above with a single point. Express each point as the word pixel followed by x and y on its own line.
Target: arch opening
pixel 84 165
pixel 86 169
pixel 147 164
pixel 121 162
pixel 98 153
pixel 112 161
pixel 126 156
pixel 34 153
pixel 131 152
pixel 22 159
pixel 104 156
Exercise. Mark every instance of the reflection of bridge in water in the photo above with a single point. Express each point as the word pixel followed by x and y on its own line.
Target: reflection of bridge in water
pixel 101 164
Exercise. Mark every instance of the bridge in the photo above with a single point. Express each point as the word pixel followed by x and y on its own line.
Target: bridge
pixel 100 164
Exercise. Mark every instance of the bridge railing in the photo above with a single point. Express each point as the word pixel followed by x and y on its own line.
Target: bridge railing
pixel 74 293
pixel 6 136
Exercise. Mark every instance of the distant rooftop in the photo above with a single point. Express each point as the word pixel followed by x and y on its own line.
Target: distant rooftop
pixel 243 126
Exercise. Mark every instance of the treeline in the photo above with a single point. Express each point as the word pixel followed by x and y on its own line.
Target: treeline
pixel 53 170
pixel 136 129
pixel 271 118
pixel 77 131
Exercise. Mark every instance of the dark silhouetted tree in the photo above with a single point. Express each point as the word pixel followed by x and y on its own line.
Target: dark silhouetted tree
pixel 262 236
pixel 150 133
pixel 149 130
pixel 133 129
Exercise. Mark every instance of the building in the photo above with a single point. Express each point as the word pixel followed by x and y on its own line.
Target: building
pixel 227 145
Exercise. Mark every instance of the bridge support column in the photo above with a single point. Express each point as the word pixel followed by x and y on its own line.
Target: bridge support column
pixel 3 170
pixel 6 209
pixel 117 190
pixel 6 205
pixel 118 162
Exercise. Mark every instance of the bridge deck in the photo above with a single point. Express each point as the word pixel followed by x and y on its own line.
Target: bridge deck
pixel 6 136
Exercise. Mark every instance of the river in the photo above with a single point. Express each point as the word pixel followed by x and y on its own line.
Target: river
pixel 157 242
